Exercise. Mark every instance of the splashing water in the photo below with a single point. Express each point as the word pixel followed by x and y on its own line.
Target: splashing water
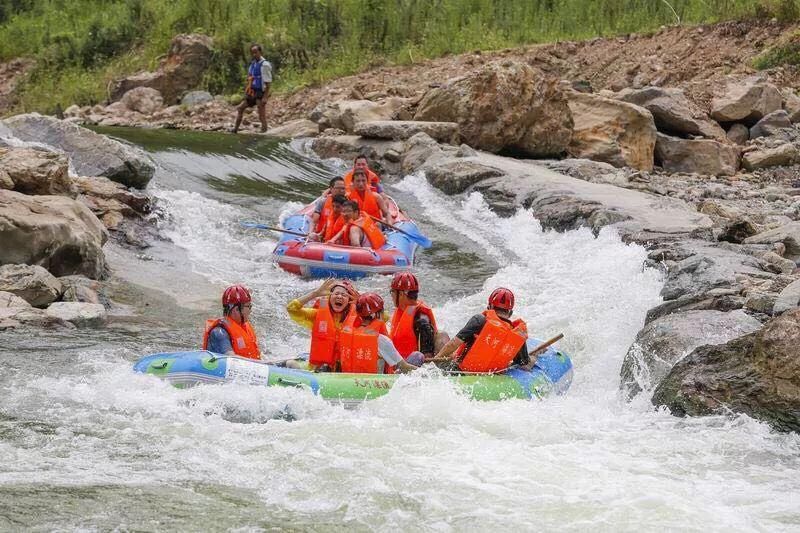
pixel 94 445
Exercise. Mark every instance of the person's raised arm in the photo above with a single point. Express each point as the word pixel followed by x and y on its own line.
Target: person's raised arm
pixel 384 206
pixel 322 290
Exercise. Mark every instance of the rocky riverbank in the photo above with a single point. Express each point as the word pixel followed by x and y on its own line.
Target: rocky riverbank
pixel 64 191
pixel 671 140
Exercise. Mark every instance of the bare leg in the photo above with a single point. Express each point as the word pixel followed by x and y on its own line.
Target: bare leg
pixel 239 114
pixel 262 113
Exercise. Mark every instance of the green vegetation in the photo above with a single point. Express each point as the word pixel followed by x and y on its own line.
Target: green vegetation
pixel 787 54
pixel 81 45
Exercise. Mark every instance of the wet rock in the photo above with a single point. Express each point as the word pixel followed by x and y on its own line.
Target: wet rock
pixel 771 124
pixel 104 188
pixel 587 170
pixel 92 154
pixel 788 234
pixel 144 100
pixel 739 134
pixel 715 299
pixel 34 171
pixel 506 106
pixel 182 70
pixel 345 114
pixel 757 374
pixel 699 156
pixel 455 177
pixel 674 114
pixel 32 283
pixel 670 338
pixel 194 98
pixel 466 151
pixel 8 299
pixel 747 100
pixel 20 317
pixel 782 155
pixel 709 267
pixel 615 132
pixel 295 128
pixel 80 314
pixel 417 151
pixel 55 232
pixel 400 130
pixel 788 298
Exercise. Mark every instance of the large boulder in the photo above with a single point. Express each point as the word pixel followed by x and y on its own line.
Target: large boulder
pixel 788 234
pixel 747 100
pixel 345 114
pixel 788 298
pixel 144 100
pixel 757 374
pixel 455 177
pixel 508 106
pixel 55 232
pixel 738 134
pixel 92 154
pixel 32 283
pixel 674 114
pixel 35 171
pixel 80 314
pixel 21 317
pixel 615 132
pixel 782 155
pixel 181 71
pixel 301 127
pixel 8 299
pixel 400 130
pixel 699 156
pixel 193 98
pixel 771 124
pixel 99 187
pixel 791 104
pixel 668 339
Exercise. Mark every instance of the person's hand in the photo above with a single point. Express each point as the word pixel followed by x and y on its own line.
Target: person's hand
pixel 325 288
pixel 353 293
pixel 314 236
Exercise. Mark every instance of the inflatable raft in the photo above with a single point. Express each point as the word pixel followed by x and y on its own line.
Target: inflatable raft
pixel 319 260
pixel 552 374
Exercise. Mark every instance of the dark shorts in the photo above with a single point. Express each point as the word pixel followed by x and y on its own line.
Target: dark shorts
pixel 254 99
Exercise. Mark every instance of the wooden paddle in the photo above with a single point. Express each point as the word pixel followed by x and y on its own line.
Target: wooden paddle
pixel 545 345
pixel 264 226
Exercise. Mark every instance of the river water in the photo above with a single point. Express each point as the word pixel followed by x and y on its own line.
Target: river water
pixel 86 444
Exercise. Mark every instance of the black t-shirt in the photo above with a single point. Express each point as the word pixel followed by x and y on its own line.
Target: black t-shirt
pixel 470 332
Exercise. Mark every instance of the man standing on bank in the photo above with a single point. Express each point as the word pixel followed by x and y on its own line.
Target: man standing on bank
pixel 256 92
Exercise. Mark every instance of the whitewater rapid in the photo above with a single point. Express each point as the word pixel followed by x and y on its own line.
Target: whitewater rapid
pixel 424 457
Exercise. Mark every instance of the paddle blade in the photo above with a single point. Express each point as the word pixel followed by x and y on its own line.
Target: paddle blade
pixel 255 225
pixel 418 238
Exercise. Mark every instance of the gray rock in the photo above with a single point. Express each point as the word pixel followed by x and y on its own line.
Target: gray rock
pixel 8 299
pixel 760 302
pixel 295 128
pixel 737 231
pixel 782 155
pixel 699 156
pixel 771 124
pixel 788 298
pixel 55 232
pixel 739 134
pixel 791 104
pixel 193 98
pixel 715 300
pixel 781 264
pixel 668 339
pixel 32 283
pixel 674 114
pixel 400 130
pixel 788 234
pixel 757 374
pixel 91 154
pixel 747 100
pixel 588 170
pixel 81 289
pixel 417 151
pixel 144 100
pixel 345 114
pixel 466 151
pixel 455 177
pixel 22 317
pixel 80 314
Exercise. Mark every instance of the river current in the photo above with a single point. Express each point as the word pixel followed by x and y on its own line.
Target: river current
pixel 86 444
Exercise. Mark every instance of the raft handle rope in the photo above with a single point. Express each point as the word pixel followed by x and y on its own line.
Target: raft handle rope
pixel 289 383
pixel 160 366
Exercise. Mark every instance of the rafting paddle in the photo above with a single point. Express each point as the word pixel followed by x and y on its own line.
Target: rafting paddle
pixel 264 226
pixel 418 238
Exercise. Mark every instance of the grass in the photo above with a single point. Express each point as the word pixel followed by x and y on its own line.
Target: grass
pixel 81 45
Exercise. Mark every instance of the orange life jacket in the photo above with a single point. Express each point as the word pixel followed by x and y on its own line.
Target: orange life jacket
pixel 402 332
pixel 372 179
pixel 368 203
pixel 325 336
pixel 243 338
pixel 496 345
pixel 371 231
pixel 334 226
pixel 359 346
pixel 325 214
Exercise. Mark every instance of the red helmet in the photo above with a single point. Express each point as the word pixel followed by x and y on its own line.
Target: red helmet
pixel 235 295
pixel 502 298
pixel 405 281
pixel 369 304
